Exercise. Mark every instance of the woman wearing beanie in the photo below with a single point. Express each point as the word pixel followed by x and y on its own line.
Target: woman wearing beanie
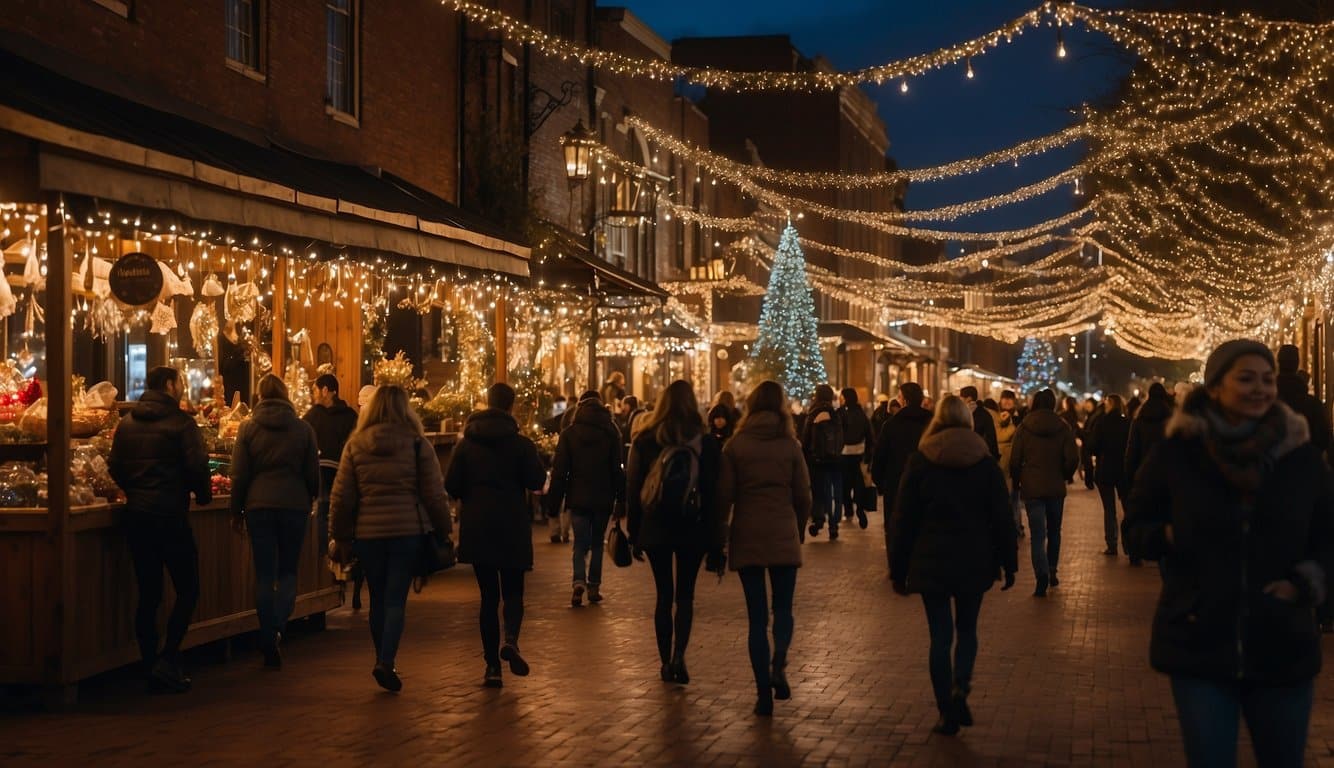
pixel 1238 501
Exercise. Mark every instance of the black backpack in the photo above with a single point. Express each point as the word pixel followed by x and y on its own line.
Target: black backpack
pixel 671 489
pixel 826 439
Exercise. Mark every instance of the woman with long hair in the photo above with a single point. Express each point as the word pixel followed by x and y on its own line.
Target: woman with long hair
pixel 1237 500
pixel 953 536
pixel 764 490
pixel 275 479
pixel 387 492
pixel 683 528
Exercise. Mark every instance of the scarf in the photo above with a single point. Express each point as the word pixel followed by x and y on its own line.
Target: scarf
pixel 1244 452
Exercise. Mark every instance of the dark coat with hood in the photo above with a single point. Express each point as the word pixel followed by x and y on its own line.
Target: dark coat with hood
pixel 1043 456
pixel 896 443
pixel 1107 445
pixel 1213 619
pixel 332 425
pixel 651 532
pixel 952 530
pixel 586 471
pixel 492 467
pixel 766 488
pixel 158 458
pixel 388 485
pixel 1146 431
pixel 275 461
pixel 1292 391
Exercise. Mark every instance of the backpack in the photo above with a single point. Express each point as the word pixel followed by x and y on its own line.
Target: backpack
pixel 671 489
pixel 827 440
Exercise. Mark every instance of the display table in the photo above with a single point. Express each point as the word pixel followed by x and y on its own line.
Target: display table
pixel 97 577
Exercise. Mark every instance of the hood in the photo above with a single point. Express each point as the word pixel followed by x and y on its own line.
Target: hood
pixel 913 413
pixel 1190 422
pixel 1154 410
pixel 385 439
pixel 273 414
pixel 1043 423
pixel 594 413
pixel 765 425
pixel 954 447
pixel 154 406
pixel 491 425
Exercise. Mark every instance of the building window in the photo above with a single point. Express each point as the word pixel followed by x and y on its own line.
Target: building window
pixel 342 55
pixel 244 25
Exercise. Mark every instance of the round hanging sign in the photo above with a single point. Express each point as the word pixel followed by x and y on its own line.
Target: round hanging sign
pixel 135 279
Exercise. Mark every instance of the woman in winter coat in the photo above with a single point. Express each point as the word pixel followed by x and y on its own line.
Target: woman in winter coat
pixel 953 535
pixel 387 493
pixel 1042 460
pixel 1147 429
pixel 1107 446
pixel 491 470
pixel 765 492
pixel 1238 501
pixel 275 479
pixel 857 443
pixel 675 534
pixel 822 442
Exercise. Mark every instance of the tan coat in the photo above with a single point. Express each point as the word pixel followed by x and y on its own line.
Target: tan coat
pixel 387 470
pixel 764 489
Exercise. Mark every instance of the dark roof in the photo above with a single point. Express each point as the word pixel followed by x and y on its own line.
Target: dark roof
pixel 561 260
pixel 45 94
pixel 849 332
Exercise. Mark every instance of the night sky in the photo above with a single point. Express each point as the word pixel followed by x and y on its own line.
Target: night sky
pixel 1019 91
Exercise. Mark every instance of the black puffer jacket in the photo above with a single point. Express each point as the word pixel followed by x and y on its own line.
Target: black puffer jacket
pixel 896 443
pixel 1214 620
pixel 1146 431
pixel 952 530
pixel 275 463
pixel 492 466
pixel 332 427
pixel 1107 445
pixel 586 471
pixel 652 533
pixel 158 458
pixel 856 429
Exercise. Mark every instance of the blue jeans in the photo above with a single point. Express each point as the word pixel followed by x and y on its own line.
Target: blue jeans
pixel 827 482
pixel 1044 532
pixel 276 537
pixel 590 533
pixel 783 582
pixel 1277 717
pixel 942 626
pixel 387 565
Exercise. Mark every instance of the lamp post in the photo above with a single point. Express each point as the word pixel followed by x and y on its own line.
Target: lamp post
pixel 577 145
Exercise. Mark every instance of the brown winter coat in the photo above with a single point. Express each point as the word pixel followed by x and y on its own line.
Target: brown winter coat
pixel 765 491
pixel 386 472
pixel 1043 456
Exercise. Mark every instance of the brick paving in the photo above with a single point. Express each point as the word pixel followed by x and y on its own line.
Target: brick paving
pixel 1061 681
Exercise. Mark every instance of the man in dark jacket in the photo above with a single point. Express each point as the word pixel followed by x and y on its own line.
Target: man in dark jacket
pixel 158 459
pixel 333 421
pixel 586 476
pixel 1294 393
pixel 1147 429
pixel 491 469
pixel 896 442
pixel 983 424
pixel 1107 446
pixel 822 443
pixel 1042 461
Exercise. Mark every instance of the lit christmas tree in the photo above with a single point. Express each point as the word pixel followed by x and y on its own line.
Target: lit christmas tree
pixel 1038 367
pixel 788 348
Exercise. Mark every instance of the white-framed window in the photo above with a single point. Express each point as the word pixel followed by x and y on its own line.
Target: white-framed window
pixel 245 33
pixel 341 55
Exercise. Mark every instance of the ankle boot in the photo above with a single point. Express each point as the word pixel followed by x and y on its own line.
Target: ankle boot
pixel 778 681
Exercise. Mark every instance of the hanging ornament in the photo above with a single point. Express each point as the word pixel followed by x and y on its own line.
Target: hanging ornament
pixel 172 285
pixel 32 269
pixel 33 391
pixel 164 319
pixel 105 318
pixel 239 305
pixel 212 287
pixel 204 328
pixel 298 387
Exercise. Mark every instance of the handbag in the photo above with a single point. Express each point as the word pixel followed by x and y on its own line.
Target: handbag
pixel 432 557
pixel 619 544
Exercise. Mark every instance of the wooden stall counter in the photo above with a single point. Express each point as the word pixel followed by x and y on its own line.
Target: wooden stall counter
pixel 98 580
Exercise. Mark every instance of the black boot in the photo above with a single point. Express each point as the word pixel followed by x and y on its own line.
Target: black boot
pixel 1041 591
pixel 959 702
pixel 778 681
pixel 679 673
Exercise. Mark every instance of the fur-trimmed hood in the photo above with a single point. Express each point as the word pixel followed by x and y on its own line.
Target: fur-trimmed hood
pixel 1189 422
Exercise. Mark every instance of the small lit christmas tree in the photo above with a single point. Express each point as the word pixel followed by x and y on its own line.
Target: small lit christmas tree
pixel 1038 366
pixel 788 347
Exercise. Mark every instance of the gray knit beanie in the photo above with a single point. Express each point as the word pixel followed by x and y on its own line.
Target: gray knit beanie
pixel 1226 355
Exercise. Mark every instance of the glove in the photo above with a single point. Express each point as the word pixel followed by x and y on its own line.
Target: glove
pixel 900 588
pixel 1009 580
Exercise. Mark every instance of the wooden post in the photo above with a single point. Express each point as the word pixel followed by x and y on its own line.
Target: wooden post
pixel 279 355
pixel 593 382
pixel 59 365
pixel 502 340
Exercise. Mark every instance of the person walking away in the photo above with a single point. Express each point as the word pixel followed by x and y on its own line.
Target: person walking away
pixel 158 459
pixel 953 536
pixel 1238 500
pixel 491 469
pixel 723 416
pixel 1042 460
pixel 1005 428
pixel 857 446
pixel 677 459
pixel 1107 446
pixel 587 478
pixel 894 445
pixel 1009 406
pixel 1147 429
pixel 387 493
pixel 983 424
pixel 333 421
pixel 1295 393
pixel 1132 407
pixel 822 440
pixel 764 501
pixel 1082 435
pixel 275 481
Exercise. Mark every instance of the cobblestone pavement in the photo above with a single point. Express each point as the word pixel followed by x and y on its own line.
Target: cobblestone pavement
pixel 1061 681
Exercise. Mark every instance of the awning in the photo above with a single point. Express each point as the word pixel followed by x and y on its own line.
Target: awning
pixel 560 261
pixel 96 144
pixel 915 347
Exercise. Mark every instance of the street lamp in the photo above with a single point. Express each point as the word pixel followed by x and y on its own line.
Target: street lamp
pixel 578 144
